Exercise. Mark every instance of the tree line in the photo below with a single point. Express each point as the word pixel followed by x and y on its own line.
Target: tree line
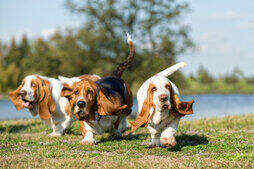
pixel 63 55
pixel 99 44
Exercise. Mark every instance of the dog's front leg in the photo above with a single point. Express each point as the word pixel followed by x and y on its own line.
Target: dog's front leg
pixel 65 109
pixel 155 137
pixel 167 136
pixel 55 128
pixel 87 133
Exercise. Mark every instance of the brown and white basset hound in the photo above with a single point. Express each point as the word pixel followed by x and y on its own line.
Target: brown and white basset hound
pixel 160 108
pixel 41 96
pixel 103 105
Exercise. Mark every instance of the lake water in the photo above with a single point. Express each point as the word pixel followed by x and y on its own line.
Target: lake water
pixel 205 106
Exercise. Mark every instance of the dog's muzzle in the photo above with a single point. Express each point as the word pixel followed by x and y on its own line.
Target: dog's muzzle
pixel 164 101
pixel 27 101
pixel 81 104
pixel 82 115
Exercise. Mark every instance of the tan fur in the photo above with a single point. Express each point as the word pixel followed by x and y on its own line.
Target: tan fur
pixel 16 98
pixel 43 100
pixel 46 104
pixel 180 108
pixel 144 117
pixel 91 77
pixel 103 106
pixel 82 128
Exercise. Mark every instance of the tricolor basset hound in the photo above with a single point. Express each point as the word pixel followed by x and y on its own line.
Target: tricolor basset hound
pixel 103 105
pixel 160 108
pixel 41 96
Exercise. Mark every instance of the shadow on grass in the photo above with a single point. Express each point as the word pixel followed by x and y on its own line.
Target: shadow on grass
pixel 186 140
pixel 129 137
pixel 72 131
pixel 15 128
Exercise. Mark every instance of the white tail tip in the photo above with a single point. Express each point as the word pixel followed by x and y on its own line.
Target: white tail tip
pixel 167 72
pixel 129 39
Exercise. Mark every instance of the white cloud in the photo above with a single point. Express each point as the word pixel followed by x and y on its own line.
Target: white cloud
pixel 46 33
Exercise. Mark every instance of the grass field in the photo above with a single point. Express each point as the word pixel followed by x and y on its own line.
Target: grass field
pixel 216 142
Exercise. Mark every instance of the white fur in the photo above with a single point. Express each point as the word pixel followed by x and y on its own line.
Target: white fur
pixel 60 120
pixel 163 125
pixel 100 125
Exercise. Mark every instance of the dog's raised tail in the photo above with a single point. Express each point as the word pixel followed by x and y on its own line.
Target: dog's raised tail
pixel 123 66
pixel 167 72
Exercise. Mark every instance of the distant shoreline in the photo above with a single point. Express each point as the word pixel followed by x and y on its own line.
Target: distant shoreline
pixel 225 92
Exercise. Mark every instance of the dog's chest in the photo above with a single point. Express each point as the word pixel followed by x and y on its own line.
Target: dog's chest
pixel 161 120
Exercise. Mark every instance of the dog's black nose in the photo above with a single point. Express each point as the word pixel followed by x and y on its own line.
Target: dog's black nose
pixel 81 104
pixel 163 98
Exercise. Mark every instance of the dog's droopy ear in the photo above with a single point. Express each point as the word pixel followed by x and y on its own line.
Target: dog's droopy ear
pixel 16 99
pixel 147 111
pixel 66 91
pixel 46 104
pixel 182 107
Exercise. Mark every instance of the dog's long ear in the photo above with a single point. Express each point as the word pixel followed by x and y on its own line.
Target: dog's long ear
pixel 147 110
pixel 46 104
pixel 182 107
pixel 16 98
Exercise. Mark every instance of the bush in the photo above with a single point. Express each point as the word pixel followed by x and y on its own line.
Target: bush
pixel 204 76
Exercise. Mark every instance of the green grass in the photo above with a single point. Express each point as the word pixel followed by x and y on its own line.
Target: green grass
pixel 216 142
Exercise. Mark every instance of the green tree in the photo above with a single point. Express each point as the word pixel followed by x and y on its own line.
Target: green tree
pixel 13 55
pixel 42 59
pixel 234 77
pixel 156 24
pixel 204 76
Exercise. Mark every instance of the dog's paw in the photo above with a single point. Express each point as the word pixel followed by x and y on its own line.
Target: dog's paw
pixel 55 134
pixel 87 142
pixel 168 142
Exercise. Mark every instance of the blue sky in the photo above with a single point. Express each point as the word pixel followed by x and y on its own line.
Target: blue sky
pixel 222 29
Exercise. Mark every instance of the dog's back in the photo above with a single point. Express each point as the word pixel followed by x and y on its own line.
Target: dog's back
pixel 111 86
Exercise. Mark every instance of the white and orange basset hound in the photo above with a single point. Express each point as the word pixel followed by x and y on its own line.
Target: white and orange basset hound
pixel 160 107
pixel 103 105
pixel 42 96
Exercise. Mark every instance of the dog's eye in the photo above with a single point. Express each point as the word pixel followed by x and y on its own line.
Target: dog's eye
pixel 154 89
pixel 76 92
pixel 20 83
pixel 33 84
pixel 168 86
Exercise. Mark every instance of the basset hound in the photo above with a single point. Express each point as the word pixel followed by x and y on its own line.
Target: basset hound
pixel 41 96
pixel 103 105
pixel 160 107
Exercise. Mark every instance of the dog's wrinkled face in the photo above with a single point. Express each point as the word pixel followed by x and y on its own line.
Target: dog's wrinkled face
pixel 162 93
pixel 82 97
pixel 29 91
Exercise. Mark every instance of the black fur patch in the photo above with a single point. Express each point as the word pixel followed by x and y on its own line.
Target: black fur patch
pixel 112 87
